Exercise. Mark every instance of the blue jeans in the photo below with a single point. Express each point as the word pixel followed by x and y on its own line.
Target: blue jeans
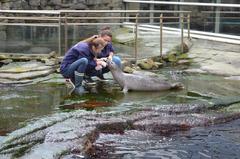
pixel 117 61
pixel 93 72
pixel 80 66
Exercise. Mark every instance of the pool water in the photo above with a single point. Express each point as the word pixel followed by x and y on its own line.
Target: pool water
pixel 19 105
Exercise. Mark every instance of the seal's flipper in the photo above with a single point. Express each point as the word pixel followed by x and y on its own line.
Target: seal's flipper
pixel 125 90
pixel 177 86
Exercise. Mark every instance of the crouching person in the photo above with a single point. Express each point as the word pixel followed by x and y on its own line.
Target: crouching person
pixel 79 59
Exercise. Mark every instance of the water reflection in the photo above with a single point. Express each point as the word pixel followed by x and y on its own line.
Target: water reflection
pixel 19 104
pixel 220 141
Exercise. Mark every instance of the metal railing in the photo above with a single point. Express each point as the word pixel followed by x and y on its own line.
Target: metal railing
pixel 217 8
pixel 65 18
pixel 186 3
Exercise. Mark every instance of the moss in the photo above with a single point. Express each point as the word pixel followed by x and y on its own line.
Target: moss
pixel 21 151
pixel 183 56
pixel 234 108
pixel 172 58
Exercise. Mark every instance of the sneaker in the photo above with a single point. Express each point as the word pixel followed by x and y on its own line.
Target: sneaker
pixel 89 81
pixel 101 77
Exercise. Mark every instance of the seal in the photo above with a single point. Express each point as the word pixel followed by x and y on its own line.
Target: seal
pixel 136 82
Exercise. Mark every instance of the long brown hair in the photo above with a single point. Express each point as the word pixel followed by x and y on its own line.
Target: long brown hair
pixel 97 42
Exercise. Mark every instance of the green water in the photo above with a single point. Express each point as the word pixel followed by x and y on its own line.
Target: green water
pixel 21 104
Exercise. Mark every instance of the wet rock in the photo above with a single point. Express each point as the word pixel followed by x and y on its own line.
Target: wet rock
pixel 147 64
pixel 7 61
pixel 187 44
pixel 233 78
pixel 212 57
pixel 67 134
pixel 196 70
pixel 3 56
pixel 128 69
pixel 233 108
pixel 21 67
pixel 183 62
pixel 199 94
pixel 17 71
pixel 14 82
pixel 26 75
pixel 50 62
pixel 217 68
pixel 158 64
pixel 165 124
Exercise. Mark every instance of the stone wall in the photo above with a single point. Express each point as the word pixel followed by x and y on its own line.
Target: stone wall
pixel 60 4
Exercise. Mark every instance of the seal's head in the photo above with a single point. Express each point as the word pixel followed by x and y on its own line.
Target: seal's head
pixel 111 65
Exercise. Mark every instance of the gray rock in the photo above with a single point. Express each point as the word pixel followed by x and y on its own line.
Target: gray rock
pixel 26 75
pixel 233 78
pixel 14 82
pixel 6 61
pixel 22 67
pixel 221 69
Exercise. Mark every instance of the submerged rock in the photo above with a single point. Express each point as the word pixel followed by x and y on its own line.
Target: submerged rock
pixel 63 135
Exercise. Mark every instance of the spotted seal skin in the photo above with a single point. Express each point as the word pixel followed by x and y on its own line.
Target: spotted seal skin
pixel 136 82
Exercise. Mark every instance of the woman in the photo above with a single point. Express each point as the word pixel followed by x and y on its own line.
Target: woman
pixel 107 52
pixel 81 59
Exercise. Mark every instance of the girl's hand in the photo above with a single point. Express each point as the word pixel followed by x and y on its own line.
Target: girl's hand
pixel 101 63
pixel 98 67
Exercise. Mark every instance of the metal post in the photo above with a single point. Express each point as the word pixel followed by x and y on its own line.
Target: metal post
pixel 66 33
pixel 189 24
pixel 161 36
pixel 126 14
pixel 151 14
pixel 217 19
pixel 136 37
pixel 182 27
pixel 59 35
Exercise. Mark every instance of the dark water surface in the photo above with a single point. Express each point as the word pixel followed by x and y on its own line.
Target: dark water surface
pixel 218 142
pixel 21 104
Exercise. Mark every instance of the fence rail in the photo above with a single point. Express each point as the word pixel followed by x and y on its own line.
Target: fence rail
pixel 186 3
pixel 65 18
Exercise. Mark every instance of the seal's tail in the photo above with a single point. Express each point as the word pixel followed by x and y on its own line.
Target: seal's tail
pixel 177 86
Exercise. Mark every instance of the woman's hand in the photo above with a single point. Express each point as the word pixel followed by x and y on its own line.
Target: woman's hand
pixel 102 63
